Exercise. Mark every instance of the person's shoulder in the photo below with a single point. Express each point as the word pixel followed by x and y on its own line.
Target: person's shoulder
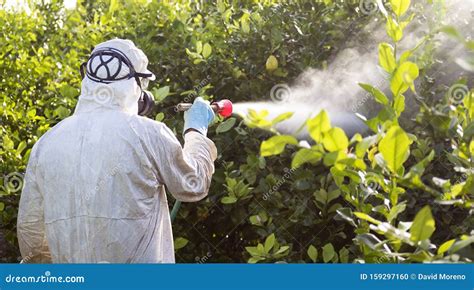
pixel 43 140
pixel 148 125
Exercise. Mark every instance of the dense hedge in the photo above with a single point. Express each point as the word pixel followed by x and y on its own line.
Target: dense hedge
pixel 337 201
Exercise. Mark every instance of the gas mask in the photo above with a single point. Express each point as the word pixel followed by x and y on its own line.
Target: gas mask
pixel 104 56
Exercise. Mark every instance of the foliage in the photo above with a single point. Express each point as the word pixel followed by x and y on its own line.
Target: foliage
pixel 393 196
pixel 385 178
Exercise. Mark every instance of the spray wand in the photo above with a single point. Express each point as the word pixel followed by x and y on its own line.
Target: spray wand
pixel 222 108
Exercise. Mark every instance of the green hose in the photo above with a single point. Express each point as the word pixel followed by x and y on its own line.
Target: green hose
pixel 175 210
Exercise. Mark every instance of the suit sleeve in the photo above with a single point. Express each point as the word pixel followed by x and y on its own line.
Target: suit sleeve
pixel 30 223
pixel 185 170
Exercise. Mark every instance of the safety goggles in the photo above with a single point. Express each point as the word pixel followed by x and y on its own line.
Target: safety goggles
pixel 105 56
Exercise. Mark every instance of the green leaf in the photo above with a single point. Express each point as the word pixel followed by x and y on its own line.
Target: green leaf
pixel 276 144
pixel 180 243
pixel 312 253
pixel 452 31
pixel 423 225
pixel 21 147
pixel 344 255
pixel 226 125
pixel 328 252
pixel 255 220
pixel 161 93
pixel 282 117
pixel 399 7
pixel 2 206
pixel 272 63
pixel 305 155
pixel 331 158
pixel 404 78
pixel 395 148
pixel 396 210
pixel 346 214
pixel 366 217
pixel 62 112
pixel 405 56
pixel 335 139
pixel 445 246
pixel 281 250
pixel 269 242
pixel 31 113
pixel 399 104
pixel 228 199
pixel 332 195
pixel 386 57
pixel 318 125
pixel 464 242
pixel 8 143
pixel 159 117
pixel 321 195
pixel 253 251
pixel 393 29
pixel 206 50
pixel 198 46
pixel 254 260
pixel 192 54
pixel 245 22
pixel 379 96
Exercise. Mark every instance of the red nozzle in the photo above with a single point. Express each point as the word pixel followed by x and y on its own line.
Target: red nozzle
pixel 224 107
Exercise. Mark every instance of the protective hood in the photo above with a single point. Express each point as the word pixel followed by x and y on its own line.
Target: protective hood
pixel 118 95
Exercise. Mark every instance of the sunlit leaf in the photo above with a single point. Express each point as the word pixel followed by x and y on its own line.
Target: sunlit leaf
pixel 404 77
pixel 393 29
pixel 386 57
pixel 335 139
pixel 306 155
pixel 318 125
pixel 366 217
pixel 445 246
pixel 206 50
pixel 379 96
pixel 276 144
pixel 399 7
pixel 395 148
pixel 423 225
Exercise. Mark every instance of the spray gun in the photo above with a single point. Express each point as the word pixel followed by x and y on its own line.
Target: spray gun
pixel 224 109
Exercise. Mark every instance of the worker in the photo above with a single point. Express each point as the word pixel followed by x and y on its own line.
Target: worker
pixel 95 183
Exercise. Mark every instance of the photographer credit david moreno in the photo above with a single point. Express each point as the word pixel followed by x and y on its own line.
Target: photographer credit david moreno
pixel 441 276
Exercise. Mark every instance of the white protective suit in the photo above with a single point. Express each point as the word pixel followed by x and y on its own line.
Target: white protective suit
pixel 95 183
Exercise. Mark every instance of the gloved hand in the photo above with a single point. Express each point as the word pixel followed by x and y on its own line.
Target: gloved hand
pixel 199 116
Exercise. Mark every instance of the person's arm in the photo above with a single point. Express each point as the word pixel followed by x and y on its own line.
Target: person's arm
pixel 30 224
pixel 186 171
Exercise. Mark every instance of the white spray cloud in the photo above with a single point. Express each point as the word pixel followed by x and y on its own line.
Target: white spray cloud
pixel 336 88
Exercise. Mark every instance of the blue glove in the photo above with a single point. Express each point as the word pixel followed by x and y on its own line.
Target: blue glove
pixel 199 116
